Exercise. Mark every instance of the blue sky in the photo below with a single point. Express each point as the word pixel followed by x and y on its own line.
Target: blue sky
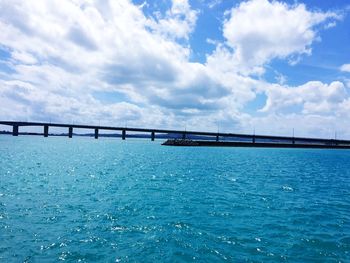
pixel 234 65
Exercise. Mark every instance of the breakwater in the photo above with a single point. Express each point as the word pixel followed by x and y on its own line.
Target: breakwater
pixel 175 142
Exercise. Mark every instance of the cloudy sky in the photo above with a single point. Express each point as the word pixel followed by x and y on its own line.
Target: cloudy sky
pixel 201 65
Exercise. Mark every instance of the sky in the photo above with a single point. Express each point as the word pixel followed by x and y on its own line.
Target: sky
pixel 227 65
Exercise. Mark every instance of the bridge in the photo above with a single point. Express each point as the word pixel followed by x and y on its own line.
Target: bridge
pixel 251 140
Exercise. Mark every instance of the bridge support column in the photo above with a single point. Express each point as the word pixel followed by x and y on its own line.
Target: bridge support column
pixel 15 130
pixel 184 136
pixel 70 132
pixel 46 130
pixel 293 141
pixel 152 136
pixel 217 138
pixel 96 133
pixel 123 134
pixel 253 138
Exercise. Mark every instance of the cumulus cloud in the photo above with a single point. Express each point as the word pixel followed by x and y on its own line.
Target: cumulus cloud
pixel 261 30
pixel 313 97
pixel 178 22
pixel 345 68
pixel 70 49
pixel 63 57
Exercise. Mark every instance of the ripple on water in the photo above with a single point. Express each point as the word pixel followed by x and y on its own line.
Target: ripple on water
pixel 108 200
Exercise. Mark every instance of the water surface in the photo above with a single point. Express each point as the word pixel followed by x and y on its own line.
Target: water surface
pixel 108 200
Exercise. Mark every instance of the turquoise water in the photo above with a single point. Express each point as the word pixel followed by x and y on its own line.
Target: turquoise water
pixel 107 200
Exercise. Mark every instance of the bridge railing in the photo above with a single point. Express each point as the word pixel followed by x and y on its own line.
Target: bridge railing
pixel 249 138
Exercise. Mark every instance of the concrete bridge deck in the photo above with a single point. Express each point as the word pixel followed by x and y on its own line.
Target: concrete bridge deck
pixel 253 138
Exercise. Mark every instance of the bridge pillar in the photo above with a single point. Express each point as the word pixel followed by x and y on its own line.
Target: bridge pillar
pixel 123 134
pixel 15 130
pixel 70 132
pixel 217 138
pixel 96 133
pixel 253 138
pixel 293 141
pixel 152 136
pixel 46 130
pixel 184 136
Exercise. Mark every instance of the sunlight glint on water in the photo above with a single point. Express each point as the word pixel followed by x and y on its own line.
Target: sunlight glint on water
pixel 109 200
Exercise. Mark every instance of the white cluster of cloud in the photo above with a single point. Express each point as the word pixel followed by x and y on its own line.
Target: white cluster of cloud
pixel 178 22
pixel 345 68
pixel 107 62
pixel 260 31
pixel 314 97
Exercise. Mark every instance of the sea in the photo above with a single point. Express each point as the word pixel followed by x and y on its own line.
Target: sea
pixel 108 200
